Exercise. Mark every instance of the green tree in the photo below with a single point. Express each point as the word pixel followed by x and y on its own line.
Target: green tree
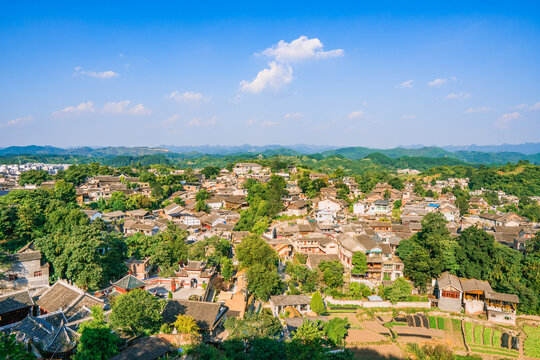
pixel 97 341
pixel 36 177
pixel 359 261
pixel 308 331
pixel 202 195
pixel 185 324
pixel 136 313
pixel 10 348
pixel 430 252
pixel 317 303
pixel 227 269
pixel 254 250
pixel 359 290
pixel 332 273
pixel 398 291
pixel 64 191
pixel 263 282
pixel 201 205
pixel 254 325
pixel 336 330
pixel 475 253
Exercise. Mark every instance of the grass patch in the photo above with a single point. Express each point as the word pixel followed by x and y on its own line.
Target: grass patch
pixel 492 351
pixel 457 334
pixel 468 332
pixel 440 323
pixel 496 339
pixel 478 334
pixel 432 322
pixel 394 323
pixel 532 342
pixel 341 311
pixel 486 337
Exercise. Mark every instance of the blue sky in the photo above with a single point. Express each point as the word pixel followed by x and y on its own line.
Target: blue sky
pixel 375 74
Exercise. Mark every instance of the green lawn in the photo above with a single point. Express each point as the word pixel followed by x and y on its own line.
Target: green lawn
pixel 496 340
pixel 532 342
pixel 468 332
pixel 494 351
pixel 432 322
pixel 487 336
pixel 440 323
pixel 458 336
pixel 478 334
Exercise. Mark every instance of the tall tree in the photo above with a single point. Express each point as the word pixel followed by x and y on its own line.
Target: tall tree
pixel 97 341
pixel 136 313
pixel 317 303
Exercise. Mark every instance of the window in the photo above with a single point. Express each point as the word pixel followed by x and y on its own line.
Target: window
pixel 450 294
pixel 13 277
pixel 38 273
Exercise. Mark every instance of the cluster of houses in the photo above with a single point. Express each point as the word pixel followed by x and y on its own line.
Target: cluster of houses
pixel 325 228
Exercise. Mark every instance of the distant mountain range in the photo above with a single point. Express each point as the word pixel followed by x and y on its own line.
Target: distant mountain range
pixel 495 154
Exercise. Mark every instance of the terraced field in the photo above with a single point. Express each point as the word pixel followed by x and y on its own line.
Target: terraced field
pixel 485 340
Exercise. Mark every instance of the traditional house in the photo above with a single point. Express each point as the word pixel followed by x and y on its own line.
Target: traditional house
pixel 141 269
pixel 449 292
pixel 138 227
pixel 297 208
pixel 113 216
pixel 69 299
pixel 474 292
pixel 501 307
pixel 128 283
pixel 279 303
pixel 15 306
pixel 93 214
pixel 380 207
pixel 207 314
pixel 195 274
pixel 313 260
pixel 246 168
pixel 139 214
pixel 26 270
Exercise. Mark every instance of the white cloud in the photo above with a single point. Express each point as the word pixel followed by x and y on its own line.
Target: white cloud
pixel 302 48
pixel 355 114
pixel 460 95
pixel 406 84
pixel 519 107
pixel 279 72
pixel 505 119
pixel 477 110
pixel 122 107
pixel 293 115
pixel 437 82
pixel 171 119
pixel 187 96
pixel 269 123
pixel 81 108
pixel 408 116
pixel 251 122
pixel 101 75
pixel 535 107
pixel 274 77
pixel 201 122
pixel 17 121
